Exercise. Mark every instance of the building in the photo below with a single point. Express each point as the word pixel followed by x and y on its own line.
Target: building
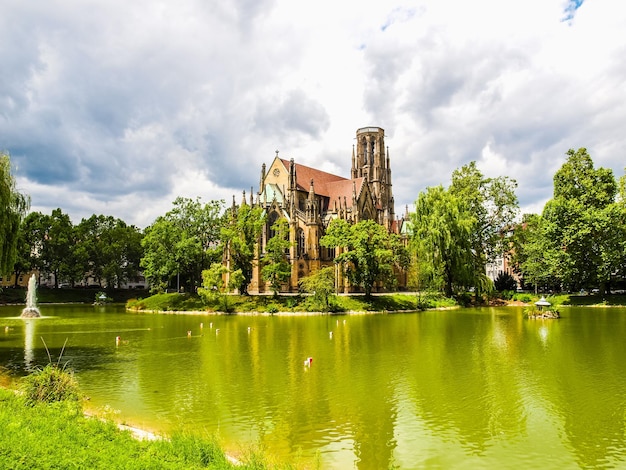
pixel 309 199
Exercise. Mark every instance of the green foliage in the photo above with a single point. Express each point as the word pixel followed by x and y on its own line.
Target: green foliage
pixel 109 249
pixel 240 234
pixel 523 297
pixel 215 290
pixel 583 226
pixel 505 282
pixel 367 252
pixel 456 231
pixel 321 284
pixel 13 207
pixel 183 243
pixel 276 269
pixel 493 205
pixel 442 242
pixel 50 384
pixel 50 436
pixel 262 303
pixel 168 302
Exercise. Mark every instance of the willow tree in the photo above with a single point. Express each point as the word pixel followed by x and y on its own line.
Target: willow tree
pixel 493 205
pixel 442 228
pixel 13 207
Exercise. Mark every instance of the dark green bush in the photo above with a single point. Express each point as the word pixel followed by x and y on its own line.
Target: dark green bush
pixel 505 282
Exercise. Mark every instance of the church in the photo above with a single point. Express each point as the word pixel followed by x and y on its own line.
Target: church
pixel 309 199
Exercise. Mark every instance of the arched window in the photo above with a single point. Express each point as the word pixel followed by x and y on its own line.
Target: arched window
pixel 271 220
pixel 300 252
pixel 365 149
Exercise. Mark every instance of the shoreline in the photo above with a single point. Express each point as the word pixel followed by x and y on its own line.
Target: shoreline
pixel 285 313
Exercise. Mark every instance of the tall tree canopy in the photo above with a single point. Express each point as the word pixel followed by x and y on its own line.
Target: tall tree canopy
pixel 457 231
pixel 584 224
pixel 13 207
pixel 110 249
pixel 240 235
pixel 442 240
pixel 367 252
pixel 183 242
pixel 493 204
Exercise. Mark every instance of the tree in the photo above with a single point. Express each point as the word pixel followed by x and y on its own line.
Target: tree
pixel 240 236
pixel 213 286
pixel 13 207
pixel 111 250
pixel 182 243
pixel 321 284
pixel 443 242
pixel 57 245
pixel 494 206
pixel 532 258
pixel 276 269
pixel 368 253
pixel 584 225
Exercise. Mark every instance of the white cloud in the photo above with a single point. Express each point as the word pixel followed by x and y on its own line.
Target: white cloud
pixel 117 108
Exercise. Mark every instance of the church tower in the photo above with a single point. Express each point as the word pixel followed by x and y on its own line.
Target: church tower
pixel 371 161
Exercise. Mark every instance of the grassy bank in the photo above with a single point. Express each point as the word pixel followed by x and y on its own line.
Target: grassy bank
pixel 58 435
pixel 290 303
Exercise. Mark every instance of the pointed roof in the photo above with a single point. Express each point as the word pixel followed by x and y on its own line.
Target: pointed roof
pixel 305 174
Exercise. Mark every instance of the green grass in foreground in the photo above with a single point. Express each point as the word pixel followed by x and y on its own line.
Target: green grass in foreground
pixel 58 436
pixel 292 303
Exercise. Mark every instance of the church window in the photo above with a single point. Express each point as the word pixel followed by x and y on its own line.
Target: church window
pixel 365 158
pixel 300 252
pixel 270 223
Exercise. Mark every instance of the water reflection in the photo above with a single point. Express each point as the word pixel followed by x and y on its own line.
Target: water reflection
pixel 472 388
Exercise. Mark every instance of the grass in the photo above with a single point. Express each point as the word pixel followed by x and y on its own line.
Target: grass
pixel 56 435
pixel 612 300
pixel 293 303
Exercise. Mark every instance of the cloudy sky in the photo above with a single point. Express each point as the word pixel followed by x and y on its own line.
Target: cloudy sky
pixel 116 107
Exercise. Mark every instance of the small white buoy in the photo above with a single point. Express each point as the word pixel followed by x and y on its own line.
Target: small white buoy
pixel 211 325
pixel 217 330
pixel 6 329
pixel 117 340
pixel 330 334
pixel 249 329
pixel 201 325
pixel 189 334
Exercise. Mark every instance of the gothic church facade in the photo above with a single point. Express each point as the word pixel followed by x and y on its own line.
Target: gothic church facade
pixel 309 199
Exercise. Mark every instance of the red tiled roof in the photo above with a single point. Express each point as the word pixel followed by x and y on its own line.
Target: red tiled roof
pixel 321 179
pixel 339 190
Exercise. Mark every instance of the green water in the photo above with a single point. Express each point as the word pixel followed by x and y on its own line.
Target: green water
pixel 473 388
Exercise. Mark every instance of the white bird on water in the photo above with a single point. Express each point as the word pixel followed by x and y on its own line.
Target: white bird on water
pixel 308 361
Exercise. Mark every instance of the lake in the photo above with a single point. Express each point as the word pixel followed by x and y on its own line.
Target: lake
pixel 467 388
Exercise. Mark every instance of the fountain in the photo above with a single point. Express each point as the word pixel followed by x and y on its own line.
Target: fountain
pixel 31 310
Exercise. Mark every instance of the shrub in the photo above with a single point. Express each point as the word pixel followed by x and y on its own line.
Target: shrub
pixel 505 282
pixel 50 384
pixel 523 298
